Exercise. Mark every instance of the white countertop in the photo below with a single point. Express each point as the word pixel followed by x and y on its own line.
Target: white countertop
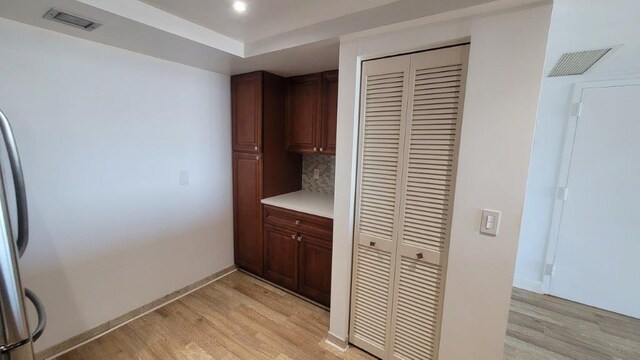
pixel 304 201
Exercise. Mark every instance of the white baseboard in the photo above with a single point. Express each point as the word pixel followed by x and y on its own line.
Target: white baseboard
pixel 336 341
pixel 526 284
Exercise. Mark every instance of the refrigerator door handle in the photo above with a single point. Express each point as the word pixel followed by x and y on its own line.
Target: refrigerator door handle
pixel 42 315
pixel 18 183
pixel 15 328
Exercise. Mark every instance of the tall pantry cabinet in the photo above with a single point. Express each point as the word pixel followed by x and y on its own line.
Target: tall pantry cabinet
pixel 258 135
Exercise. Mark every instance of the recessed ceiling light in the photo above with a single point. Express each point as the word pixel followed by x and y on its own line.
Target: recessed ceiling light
pixel 240 6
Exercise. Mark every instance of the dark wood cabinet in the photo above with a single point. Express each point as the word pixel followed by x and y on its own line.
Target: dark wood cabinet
pixel 261 166
pixel 246 111
pixel 329 111
pixel 247 212
pixel 315 268
pixel 281 256
pixel 288 248
pixel 304 106
pixel 312 102
pixel 298 250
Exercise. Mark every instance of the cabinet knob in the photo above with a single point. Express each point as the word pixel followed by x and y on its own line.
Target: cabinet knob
pixel 299 238
pixel 255 148
pixel 298 222
pixel 419 255
pixel 315 149
pixel 321 150
pixel 257 157
pixel 293 236
pixel 372 243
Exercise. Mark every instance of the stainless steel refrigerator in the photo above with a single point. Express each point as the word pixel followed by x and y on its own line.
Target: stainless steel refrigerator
pixel 16 339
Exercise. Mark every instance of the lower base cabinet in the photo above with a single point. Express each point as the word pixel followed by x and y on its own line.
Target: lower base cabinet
pixel 281 254
pixel 297 252
pixel 314 279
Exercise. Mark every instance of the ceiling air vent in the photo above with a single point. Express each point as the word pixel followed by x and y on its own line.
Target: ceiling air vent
pixel 71 19
pixel 577 63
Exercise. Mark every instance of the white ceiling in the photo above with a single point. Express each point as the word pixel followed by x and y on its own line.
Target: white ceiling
pixel 264 18
pixel 286 37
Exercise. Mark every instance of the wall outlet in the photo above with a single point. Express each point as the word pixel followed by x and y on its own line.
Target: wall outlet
pixel 316 174
pixel 184 178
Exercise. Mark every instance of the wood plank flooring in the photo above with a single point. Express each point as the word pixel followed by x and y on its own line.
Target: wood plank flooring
pixel 543 327
pixel 240 317
pixel 236 317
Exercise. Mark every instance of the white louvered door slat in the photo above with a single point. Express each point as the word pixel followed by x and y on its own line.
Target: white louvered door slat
pixel 383 106
pixel 430 160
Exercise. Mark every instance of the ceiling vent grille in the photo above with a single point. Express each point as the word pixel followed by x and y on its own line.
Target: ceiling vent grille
pixel 577 63
pixel 71 19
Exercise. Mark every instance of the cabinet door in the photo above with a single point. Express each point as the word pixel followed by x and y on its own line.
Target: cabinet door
pixel 246 112
pixel 281 256
pixel 304 106
pixel 329 111
pixel 247 211
pixel 315 268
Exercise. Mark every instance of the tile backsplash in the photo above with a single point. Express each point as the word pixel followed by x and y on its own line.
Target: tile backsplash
pixel 326 164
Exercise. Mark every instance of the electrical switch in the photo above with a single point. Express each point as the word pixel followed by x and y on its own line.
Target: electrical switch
pixel 489 223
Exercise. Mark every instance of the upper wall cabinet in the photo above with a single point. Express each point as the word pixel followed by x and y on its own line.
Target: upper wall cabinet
pixel 311 113
pixel 304 107
pixel 329 111
pixel 246 111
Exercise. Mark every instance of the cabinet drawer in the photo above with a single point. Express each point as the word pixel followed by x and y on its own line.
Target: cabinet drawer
pixel 300 222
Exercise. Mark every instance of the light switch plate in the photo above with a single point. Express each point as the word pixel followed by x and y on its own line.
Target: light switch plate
pixel 316 174
pixel 490 222
pixel 184 177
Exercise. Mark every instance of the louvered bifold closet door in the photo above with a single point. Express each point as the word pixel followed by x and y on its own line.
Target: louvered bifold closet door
pixel 383 105
pixel 430 157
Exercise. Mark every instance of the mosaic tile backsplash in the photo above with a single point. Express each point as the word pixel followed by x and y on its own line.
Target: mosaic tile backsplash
pixel 326 164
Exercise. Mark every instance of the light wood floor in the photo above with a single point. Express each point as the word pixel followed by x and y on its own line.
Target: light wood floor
pixel 236 317
pixel 240 317
pixel 543 327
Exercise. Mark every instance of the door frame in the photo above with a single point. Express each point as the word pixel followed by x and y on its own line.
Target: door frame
pixel 564 170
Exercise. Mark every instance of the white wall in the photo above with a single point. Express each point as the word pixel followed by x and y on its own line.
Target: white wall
pixel 103 134
pixel 505 71
pixel 574 27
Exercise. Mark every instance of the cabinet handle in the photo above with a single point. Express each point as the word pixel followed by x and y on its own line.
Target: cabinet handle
pixel 300 238
pixel 298 222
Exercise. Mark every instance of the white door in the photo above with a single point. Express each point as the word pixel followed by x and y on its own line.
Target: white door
pixel 411 112
pixel 598 252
